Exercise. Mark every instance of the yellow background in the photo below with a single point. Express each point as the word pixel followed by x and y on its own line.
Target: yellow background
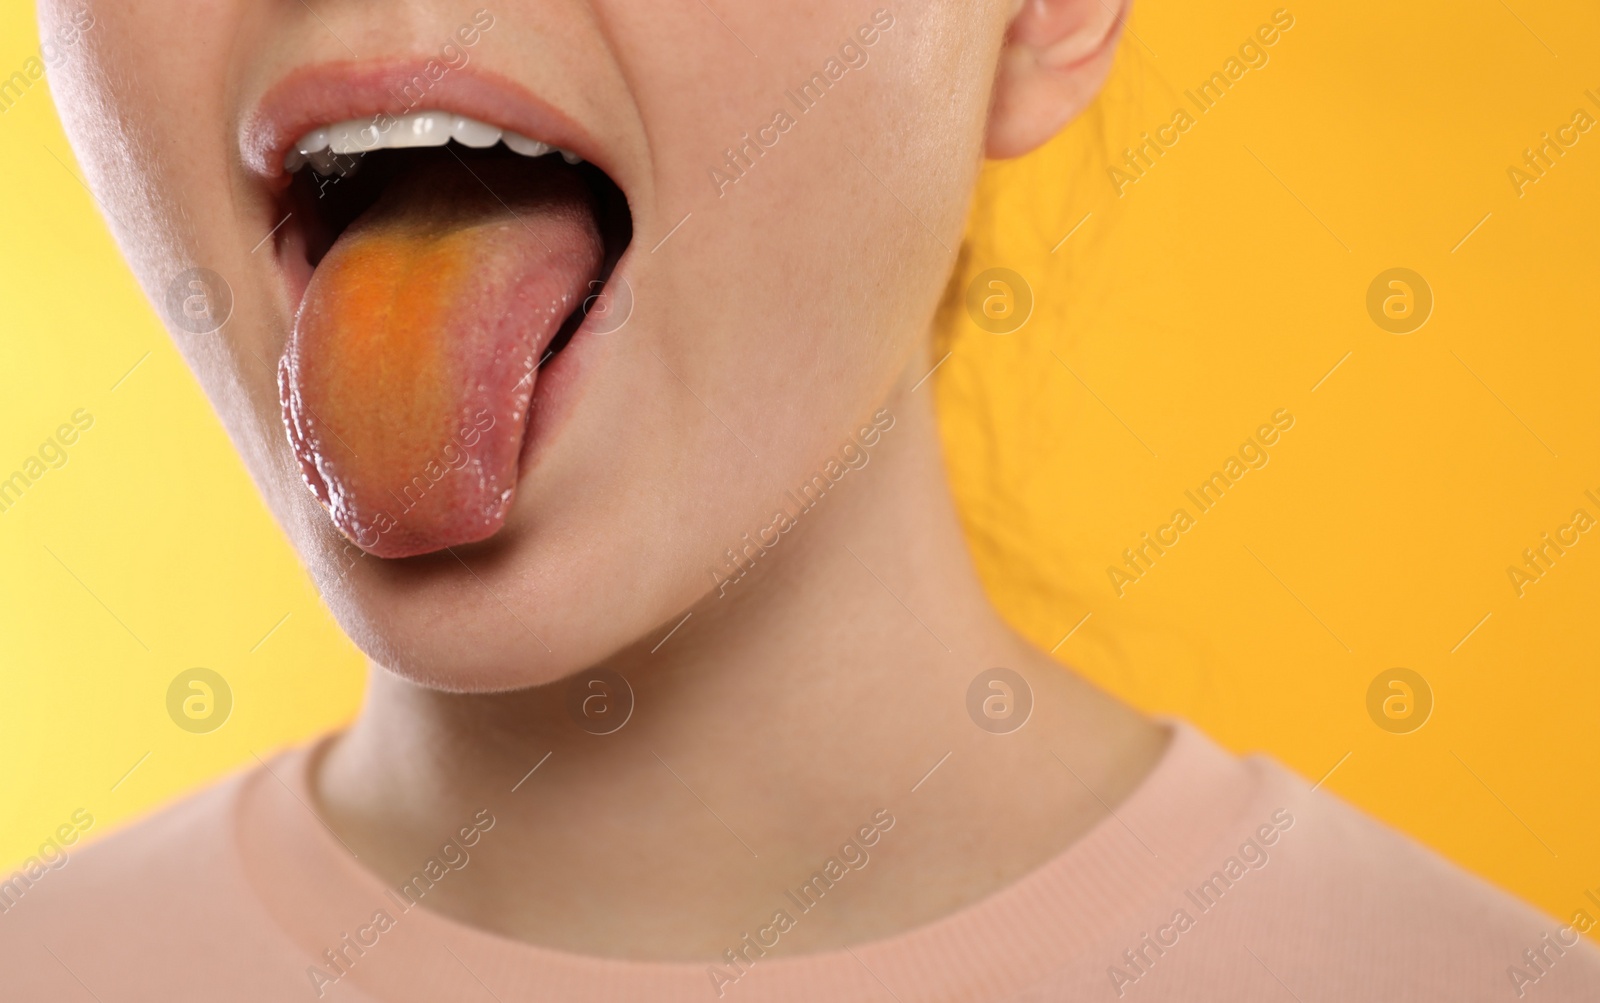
pixel 1221 286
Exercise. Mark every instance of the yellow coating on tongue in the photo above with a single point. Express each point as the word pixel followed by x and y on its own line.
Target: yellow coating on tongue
pixel 388 380
pixel 419 332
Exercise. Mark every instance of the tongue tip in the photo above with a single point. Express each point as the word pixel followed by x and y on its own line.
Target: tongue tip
pixel 401 541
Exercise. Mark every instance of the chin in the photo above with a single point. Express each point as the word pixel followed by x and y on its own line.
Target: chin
pixel 558 589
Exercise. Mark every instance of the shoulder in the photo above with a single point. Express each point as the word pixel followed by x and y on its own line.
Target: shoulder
pixel 1308 890
pixel 153 911
pixel 171 845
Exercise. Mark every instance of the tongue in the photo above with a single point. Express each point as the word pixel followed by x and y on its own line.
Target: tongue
pixel 407 380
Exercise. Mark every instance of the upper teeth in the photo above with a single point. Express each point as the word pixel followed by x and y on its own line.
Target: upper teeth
pixel 319 147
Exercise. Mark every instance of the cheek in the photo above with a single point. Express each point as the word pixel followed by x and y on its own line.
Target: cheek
pixel 812 277
pixel 130 119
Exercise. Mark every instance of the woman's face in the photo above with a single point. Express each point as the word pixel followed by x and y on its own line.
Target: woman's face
pixel 795 179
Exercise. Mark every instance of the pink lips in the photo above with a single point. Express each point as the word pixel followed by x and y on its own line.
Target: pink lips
pixel 337 92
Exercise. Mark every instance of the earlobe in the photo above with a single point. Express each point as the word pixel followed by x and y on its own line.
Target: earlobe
pixel 1056 56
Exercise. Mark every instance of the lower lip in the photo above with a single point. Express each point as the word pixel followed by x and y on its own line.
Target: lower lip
pixel 560 383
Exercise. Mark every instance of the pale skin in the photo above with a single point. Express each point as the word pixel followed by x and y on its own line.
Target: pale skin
pixel 827 682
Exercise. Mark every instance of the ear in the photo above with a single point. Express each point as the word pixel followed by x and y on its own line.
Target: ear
pixel 1056 56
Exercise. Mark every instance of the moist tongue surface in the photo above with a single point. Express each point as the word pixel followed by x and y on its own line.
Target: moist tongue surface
pixel 407 379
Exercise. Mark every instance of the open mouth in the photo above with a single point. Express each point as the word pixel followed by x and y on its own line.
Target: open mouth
pixel 441 264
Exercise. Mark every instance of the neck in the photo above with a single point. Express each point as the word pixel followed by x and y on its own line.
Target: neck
pixel 774 723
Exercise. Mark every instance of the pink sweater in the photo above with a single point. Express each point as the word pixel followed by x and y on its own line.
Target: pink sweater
pixel 1219 879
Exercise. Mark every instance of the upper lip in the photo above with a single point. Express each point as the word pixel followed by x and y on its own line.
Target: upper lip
pixel 320 95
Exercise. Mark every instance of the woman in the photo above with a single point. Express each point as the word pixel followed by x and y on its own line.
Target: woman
pixel 583 352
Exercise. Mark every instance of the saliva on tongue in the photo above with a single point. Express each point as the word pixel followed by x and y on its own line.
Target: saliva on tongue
pixel 408 376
